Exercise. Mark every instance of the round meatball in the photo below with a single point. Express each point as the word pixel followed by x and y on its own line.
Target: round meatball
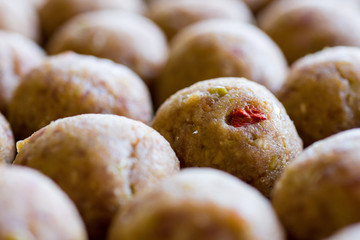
pixel 201 204
pixel 55 13
pixel 306 26
pixel 7 143
pixel 21 17
pixel 71 84
pixel 319 192
pixel 333 75
pixel 18 55
pixel 351 232
pixel 125 38
pixel 172 16
pixel 221 48
pixel 101 161
pixel 231 124
pixel 33 207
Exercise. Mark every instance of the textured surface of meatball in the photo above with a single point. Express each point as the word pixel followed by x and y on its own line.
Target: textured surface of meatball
pixel 33 207
pixel 322 93
pixel 100 161
pixel 18 56
pixel 221 48
pixel 55 13
pixel 172 16
pixel 7 143
pixel 198 204
pixel 319 193
pixel 231 124
pixel 351 232
pixel 306 26
pixel 19 16
pixel 125 38
pixel 69 84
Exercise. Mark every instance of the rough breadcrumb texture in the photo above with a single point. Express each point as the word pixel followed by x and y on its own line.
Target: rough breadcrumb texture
pixel 101 161
pixel 199 124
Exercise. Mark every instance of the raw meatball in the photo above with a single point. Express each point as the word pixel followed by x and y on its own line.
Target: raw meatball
pixel 100 161
pixel 18 55
pixel 7 143
pixel 221 48
pixel 306 26
pixel 19 16
pixel 198 204
pixel 322 93
pixel 55 13
pixel 33 207
pixel 125 38
pixel 231 124
pixel 172 16
pixel 71 84
pixel 318 193
pixel 348 233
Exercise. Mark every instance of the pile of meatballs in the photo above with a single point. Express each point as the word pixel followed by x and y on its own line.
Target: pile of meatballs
pixel 179 119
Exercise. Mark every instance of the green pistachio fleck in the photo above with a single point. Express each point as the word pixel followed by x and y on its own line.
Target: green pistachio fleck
pixel 221 91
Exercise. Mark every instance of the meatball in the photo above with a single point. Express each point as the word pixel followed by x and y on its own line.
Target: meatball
pixel 55 13
pixel 348 233
pixel 172 16
pixel 319 192
pixel 7 143
pixel 71 84
pixel 333 74
pixel 20 16
pixel 101 161
pixel 125 38
pixel 221 48
pixel 230 124
pixel 33 207
pixel 201 204
pixel 18 55
pixel 306 26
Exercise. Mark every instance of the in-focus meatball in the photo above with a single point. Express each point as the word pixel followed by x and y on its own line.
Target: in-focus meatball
pixel 306 26
pixel 69 84
pixel 172 16
pixel 55 13
pixel 125 38
pixel 322 93
pixel 231 124
pixel 221 48
pixel 20 16
pixel 198 204
pixel 101 161
pixel 34 207
pixel 319 193
pixel 18 55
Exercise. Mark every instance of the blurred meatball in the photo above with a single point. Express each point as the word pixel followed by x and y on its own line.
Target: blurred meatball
pixel 19 16
pixel 221 48
pixel 318 193
pixel 33 207
pixel 55 13
pixel 231 124
pixel 100 161
pixel 172 16
pixel 322 93
pixel 125 38
pixel 306 26
pixel 71 84
pixel 7 143
pixel 18 55
pixel 201 204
